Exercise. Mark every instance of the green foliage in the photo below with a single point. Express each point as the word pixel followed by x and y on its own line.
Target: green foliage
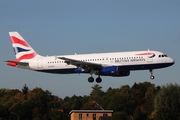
pixel 167 102
pixel 25 89
pixel 143 95
pixel 119 116
pixel 138 114
pixel 126 102
pixel 75 102
pixel 96 93
pixel 33 104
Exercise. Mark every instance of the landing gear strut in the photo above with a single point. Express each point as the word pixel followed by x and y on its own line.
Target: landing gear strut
pixel 91 79
pixel 151 76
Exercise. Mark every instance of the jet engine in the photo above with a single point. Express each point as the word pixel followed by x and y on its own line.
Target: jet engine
pixel 115 71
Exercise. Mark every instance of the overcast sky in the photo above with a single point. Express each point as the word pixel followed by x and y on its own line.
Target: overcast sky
pixel 68 27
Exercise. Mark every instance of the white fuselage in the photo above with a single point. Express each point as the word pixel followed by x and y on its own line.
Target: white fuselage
pixel 137 60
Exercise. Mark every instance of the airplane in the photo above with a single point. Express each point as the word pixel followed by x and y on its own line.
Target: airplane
pixel 115 64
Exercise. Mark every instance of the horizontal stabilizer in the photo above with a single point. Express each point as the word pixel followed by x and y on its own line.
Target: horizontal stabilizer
pixel 14 63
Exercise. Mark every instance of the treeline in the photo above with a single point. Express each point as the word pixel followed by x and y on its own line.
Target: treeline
pixel 142 101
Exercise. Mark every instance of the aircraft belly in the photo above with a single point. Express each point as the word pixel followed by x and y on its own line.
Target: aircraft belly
pixel 145 66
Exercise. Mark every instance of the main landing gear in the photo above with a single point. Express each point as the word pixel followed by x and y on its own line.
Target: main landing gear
pixel 152 76
pixel 98 79
pixel 91 79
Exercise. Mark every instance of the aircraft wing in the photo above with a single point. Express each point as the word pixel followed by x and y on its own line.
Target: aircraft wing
pixel 85 65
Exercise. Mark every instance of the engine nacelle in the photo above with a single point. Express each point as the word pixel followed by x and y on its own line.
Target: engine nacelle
pixel 114 71
pixel 79 70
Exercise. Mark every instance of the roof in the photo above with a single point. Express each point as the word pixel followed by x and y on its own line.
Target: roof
pixel 91 111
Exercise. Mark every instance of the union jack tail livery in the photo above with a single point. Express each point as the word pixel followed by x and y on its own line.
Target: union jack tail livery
pixel 21 48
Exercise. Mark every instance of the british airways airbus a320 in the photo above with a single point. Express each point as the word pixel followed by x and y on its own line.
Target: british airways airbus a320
pixel 116 64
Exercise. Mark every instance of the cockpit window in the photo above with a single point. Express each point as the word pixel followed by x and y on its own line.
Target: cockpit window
pixel 163 55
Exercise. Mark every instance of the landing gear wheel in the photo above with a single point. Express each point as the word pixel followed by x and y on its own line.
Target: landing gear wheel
pixel 152 77
pixel 90 79
pixel 98 80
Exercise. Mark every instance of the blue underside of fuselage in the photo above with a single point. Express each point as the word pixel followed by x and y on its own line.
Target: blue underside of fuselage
pixel 125 67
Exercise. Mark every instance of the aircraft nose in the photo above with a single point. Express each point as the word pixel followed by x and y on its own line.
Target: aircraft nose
pixel 171 61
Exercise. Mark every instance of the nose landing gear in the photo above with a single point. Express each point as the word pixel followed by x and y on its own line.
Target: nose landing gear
pixel 151 76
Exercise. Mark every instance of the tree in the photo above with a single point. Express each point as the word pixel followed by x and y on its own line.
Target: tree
pixel 138 115
pixel 96 93
pixel 120 100
pixel 25 89
pixel 167 102
pixel 143 95
pixel 119 116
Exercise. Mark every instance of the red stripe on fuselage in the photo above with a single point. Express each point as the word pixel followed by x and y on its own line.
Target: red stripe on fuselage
pixel 18 41
pixel 145 54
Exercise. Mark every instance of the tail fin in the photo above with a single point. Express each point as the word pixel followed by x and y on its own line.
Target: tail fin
pixel 21 48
